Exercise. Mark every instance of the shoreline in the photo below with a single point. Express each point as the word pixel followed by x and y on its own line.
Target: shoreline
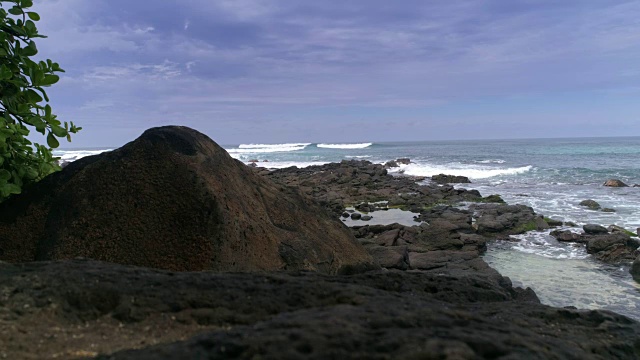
pixel 384 291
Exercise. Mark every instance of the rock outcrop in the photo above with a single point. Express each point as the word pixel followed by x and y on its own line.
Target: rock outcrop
pixel 615 183
pixel 450 179
pixel 173 199
pixel 635 269
pixel 64 309
pixel 591 204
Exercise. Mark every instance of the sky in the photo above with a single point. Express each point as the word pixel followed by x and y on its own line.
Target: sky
pixel 260 71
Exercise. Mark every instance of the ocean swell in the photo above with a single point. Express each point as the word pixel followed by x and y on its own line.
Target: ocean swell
pixel 470 171
pixel 344 146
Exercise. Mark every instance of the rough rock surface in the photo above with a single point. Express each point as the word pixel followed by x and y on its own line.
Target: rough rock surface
pixel 500 220
pixel 614 248
pixel 73 309
pixel 174 199
pixel 337 185
pixel 450 179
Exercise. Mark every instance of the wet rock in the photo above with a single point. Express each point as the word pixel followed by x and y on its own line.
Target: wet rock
pixel 594 229
pixel 619 229
pixel 366 217
pixel 502 220
pixel 495 198
pixel 635 269
pixel 450 179
pixel 615 183
pixel 174 199
pixel 591 204
pixel 356 216
pixel 608 210
pixel 565 236
pixel 345 214
pixel 391 164
pixel 553 222
pixel 404 161
pixel 613 248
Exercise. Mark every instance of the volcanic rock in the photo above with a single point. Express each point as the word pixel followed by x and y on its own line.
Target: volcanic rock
pixel 635 269
pixel 450 179
pixel 174 199
pixel 594 229
pixel 615 183
pixel 591 204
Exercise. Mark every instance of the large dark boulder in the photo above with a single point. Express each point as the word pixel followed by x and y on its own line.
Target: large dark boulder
pixel 174 199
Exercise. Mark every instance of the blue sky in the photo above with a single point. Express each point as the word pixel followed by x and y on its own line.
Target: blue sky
pixel 246 71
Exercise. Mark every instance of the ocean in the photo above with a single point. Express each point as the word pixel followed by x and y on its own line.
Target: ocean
pixel 551 175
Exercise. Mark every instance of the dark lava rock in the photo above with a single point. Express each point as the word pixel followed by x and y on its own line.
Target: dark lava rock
pixel 565 236
pixel 615 183
pixel 608 210
pixel 366 217
pixel 635 269
pixel 404 161
pixel 591 204
pixel 613 248
pixel 553 222
pixel 495 198
pixel 356 216
pixel 391 164
pixel 594 229
pixel 502 219
pixel 376 315
pixel 450 179
pixel 174 199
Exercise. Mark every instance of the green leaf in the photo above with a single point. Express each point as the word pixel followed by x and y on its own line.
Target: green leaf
pixel 49 80
pixel 52 141
pixel 33 16
pixel 16 10
pixel 4 175
pixel 58 131
pixel 33 96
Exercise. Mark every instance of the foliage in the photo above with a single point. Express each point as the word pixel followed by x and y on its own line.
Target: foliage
pixel 23 101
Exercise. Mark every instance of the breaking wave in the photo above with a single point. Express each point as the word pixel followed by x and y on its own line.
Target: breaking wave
pixel 345 146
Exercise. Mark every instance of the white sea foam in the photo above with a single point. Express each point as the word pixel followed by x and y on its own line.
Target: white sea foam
pixel 266 148
pixel 286 164
pixel 73 155
pixel 470 171
pixel 345 146
pixel 490 161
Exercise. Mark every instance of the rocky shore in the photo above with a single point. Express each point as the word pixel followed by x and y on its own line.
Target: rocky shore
pixel 201 256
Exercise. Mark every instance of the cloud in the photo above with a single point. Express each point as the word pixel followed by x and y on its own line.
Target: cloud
pixel 242 62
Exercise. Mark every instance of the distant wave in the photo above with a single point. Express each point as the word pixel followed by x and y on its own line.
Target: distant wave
pixel 267 148
pixel 490 161
pixel 472 172
pixel 345 146
pixel 73 155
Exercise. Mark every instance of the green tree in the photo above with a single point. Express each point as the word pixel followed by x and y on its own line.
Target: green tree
pixel 23 101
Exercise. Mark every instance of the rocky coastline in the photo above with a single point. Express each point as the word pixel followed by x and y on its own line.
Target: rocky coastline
pixel 169 248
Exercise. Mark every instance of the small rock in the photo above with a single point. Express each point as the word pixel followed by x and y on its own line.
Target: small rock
pixel 553 222
pixel 566 235
pixel 570 224
pixel 608 210
pixel 357 216
pixel 450 179
pixel 593 229
pixel 635 269
pixel 591 204
pixel 345 214
pixel 615 183
pixel 366 217
pixel 391 164
pixel 493 199
pixel 404 161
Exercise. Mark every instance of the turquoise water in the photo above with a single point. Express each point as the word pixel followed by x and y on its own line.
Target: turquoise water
pixel 550 175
